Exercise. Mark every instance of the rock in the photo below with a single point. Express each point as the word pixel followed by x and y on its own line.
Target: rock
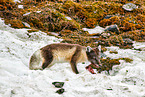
pixel 109 89
pixel 113 28
pixel 54 34
pixel 142 48
pixel 129 7
pixel 108 17
pixel 58 84
pixel 60 91
pixel 127 41
pixel 106 35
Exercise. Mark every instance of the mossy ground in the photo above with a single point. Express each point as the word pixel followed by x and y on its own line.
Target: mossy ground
pixel 50 16
pixel 108 63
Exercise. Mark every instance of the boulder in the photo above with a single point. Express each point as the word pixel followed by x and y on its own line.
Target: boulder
pixel 113 28
pixel 129 7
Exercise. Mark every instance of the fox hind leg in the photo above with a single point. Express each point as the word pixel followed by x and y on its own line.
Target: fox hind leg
pixel 48 58
pixel 46 64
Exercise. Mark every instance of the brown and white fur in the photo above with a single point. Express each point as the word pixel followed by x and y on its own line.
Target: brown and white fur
pixel 63 52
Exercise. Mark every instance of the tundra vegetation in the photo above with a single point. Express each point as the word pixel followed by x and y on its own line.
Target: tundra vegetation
pixel 66 18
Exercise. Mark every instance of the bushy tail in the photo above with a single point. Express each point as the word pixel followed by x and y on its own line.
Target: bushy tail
pixel 35 60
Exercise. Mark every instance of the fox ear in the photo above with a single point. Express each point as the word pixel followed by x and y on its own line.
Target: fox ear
pixel 88 49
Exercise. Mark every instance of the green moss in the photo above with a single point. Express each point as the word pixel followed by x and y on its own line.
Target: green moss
pixel 36 22
pixel 114 52
pixel 126 59
pixel 32 30
pixel 108 63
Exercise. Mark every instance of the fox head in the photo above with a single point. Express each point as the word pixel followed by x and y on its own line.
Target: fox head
pixel 93 55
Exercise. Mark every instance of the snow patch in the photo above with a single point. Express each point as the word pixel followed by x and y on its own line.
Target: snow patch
pixel 26 14
pixel 68 18
pixel 21 6
pixel 17 46
pixel 95 30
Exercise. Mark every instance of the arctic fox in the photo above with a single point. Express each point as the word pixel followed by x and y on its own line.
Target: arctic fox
pixel 63 52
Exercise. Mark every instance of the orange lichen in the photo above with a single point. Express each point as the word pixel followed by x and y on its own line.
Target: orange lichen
pixel 36 22
pixel 4 1
pixel 51 16
pixel 140 17
pixel 137 35
pixel 143 33
pixel 2 7
pixel 15 23
pixel 138 26
pixel 128 26
pixel 91 22
pixel 112 20
pixel 115 20
pixel 105 22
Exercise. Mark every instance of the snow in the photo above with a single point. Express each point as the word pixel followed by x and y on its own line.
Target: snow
pixel 38 11
pixel 95 30
pixel 21 6
pixel 16 80
pixel 26 13
pixel 17 1
pixel 26 24
pixel 68 18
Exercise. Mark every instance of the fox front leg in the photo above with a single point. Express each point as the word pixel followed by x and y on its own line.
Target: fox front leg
pixel 74 60
pixel 74 67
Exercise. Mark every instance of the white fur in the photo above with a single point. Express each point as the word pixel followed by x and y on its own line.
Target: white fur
pixel 37 64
